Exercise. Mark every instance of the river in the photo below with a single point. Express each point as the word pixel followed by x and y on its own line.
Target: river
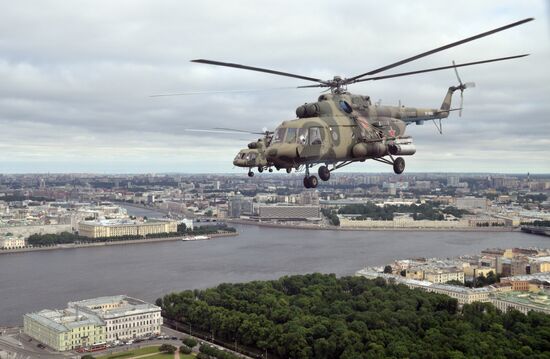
pixel 36 280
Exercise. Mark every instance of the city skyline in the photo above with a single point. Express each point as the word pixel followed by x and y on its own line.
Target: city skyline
pixel 77 80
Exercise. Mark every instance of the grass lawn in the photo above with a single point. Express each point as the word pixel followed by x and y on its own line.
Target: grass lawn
pixel 132 353
pixel 161 356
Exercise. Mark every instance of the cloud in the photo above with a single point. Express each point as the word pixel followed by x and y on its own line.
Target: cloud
pixel 76 79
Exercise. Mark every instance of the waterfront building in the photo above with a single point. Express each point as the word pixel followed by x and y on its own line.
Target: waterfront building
pixel 471 203
pixel 9 242
pixel 404 221
pixel 289 213
pixel 125 227
pixel 235 204
pixel 25 231
pixel 66 329
pixel 124 317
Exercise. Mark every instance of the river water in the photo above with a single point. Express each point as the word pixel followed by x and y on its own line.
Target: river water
pixel 36 280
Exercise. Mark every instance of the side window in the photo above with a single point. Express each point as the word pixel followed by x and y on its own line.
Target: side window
pixel 291 135
pixel 279 135
pixel 302 136
pixel 315 135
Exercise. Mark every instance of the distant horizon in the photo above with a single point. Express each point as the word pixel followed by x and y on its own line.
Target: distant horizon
pixel 274 173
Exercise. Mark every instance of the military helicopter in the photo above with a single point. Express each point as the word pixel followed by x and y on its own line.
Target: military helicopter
pixel 341 128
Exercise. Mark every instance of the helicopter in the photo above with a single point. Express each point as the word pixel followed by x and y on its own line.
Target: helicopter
pixel 341 128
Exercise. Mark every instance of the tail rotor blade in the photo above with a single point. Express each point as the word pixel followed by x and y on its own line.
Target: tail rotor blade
pixel 456 73
pixel 469 85
pixel 461 103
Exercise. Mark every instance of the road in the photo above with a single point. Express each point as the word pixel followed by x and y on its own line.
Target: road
pixel 16 345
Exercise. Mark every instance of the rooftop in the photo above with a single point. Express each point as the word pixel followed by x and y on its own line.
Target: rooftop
pixel 119 305
pixel 64 320
pixel 540 299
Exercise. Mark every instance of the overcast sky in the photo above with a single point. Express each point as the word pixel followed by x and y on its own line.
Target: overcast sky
pixel 76 79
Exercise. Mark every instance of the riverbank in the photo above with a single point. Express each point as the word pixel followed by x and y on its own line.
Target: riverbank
pixel 111 243
pixel 334 228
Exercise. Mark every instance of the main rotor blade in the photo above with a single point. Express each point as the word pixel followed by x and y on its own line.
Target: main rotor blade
pixel 226 131
pixel 259 69
pixel 221 92
pixel 440 68
pixel 441 48
pixel 237 130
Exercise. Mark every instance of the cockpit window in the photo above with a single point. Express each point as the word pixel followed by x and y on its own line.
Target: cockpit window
pixel 315 135
pixel 251 156
pixel 279 135
pixel 302 136
pixel 291 135
pixel 346 107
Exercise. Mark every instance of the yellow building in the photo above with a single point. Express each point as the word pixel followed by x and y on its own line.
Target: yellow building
pixel 64 329
pixel 125 227
pixel 474 271
pixel 540 264
pixel 444 275
pixel 124 317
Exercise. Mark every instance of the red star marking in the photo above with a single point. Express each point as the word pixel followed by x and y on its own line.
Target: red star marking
pixel 391 132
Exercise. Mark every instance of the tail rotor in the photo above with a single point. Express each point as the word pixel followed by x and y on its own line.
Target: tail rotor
pixel 462 86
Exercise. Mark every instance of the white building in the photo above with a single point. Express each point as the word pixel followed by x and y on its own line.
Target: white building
pixel 124 317
pixel 522 301
pixel 289 213
pixel 12 242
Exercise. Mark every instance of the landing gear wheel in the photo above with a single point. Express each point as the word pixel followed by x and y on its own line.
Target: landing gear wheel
pixel 270 169
pixel 324 173
pixel 288 170
pixel 306 182
pixel 313 181
pixel 250 174
pixel 398 165
pixel 260 169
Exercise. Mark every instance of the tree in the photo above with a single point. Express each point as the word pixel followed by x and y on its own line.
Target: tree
pixel 167 348
pixel 185 349
pixel 182 228
pixel 158 302
pixel 190 342
pixel 388 269
pixel 322 316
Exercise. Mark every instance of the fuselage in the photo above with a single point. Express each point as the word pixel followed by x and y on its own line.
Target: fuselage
pixel 331 129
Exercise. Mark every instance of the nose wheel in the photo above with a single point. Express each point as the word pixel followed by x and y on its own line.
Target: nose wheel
pixel 398 165
pixel 250 174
